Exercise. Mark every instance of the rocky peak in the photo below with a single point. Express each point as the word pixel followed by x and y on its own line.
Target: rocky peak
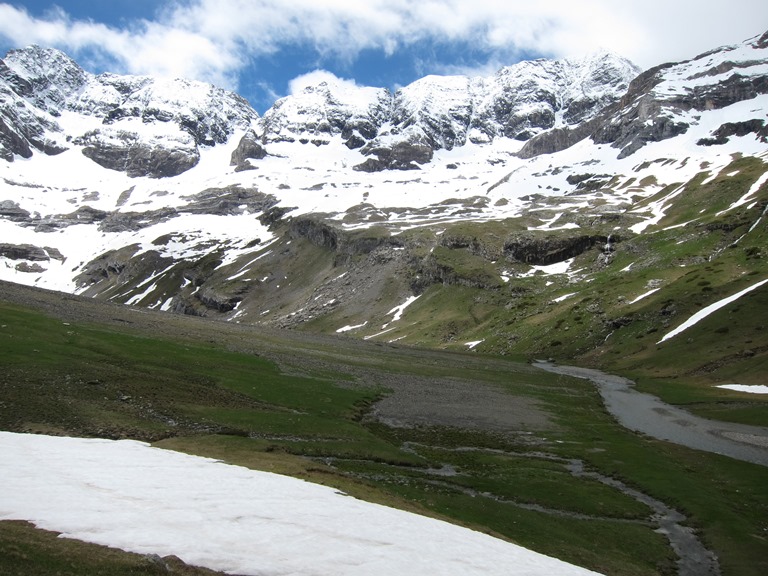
pixel 209 114
pixel 440 107
pixel 176 115
pixel 23 126
pixel 54 78
pixel 534 96
pixel 326 109
pixel 443 112
pixel 658 102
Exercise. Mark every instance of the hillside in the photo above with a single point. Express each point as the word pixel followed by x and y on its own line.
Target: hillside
pixel 578 210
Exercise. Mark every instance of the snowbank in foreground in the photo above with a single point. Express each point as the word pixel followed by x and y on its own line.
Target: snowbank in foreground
pixel 128 495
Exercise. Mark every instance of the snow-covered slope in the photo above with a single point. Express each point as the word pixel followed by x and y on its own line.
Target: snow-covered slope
pixel 140 125
pixel 152 501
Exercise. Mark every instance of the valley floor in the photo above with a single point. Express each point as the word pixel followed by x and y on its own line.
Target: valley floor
pixel 486 442
pixel 647 414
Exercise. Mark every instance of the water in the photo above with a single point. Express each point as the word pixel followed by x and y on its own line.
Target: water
pixel 648 414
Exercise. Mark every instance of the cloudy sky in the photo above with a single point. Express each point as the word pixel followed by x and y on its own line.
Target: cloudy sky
pixel 264 49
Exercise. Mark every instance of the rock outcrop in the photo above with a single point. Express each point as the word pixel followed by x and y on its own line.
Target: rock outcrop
pixel 662 102
pixel 150 127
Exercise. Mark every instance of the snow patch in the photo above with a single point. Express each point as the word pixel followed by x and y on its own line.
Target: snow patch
pixel 704 312
pixel 645 295
pixel 550 269
pixel 398 310
pixel 348 328
pixel 564 297
pixel 750 388
pixel 147 500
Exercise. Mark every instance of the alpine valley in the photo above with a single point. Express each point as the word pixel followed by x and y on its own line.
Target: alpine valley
pixel 575 209
pixel 178 269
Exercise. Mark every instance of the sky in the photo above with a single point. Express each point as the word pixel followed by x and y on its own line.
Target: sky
pixel 265 49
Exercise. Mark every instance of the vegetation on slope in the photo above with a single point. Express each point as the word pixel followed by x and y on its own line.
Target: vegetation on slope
pixel 301 404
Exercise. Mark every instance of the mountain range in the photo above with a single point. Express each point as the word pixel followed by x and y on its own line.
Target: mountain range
pixel 572 208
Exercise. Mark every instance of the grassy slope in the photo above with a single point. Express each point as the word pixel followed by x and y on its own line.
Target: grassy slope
pixel 200 394
pixel 695 256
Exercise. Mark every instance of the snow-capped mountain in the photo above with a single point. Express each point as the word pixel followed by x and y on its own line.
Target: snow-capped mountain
pixel 443 112
pixel 342 206
pixel 140 125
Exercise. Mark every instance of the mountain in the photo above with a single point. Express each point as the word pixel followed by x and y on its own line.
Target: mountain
pixel 139 125
pixel 443 112
pixel 554 208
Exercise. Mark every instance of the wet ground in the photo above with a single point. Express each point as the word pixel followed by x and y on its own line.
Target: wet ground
pixel 648 414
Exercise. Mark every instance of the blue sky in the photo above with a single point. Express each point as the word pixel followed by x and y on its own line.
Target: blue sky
pixel 264 49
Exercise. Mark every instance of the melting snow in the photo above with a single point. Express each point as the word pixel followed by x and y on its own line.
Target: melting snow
pixel 748 196
pixel 645 295
pixel 751 388
pixel 398 310
pixel 704 312
pixel 126 494
pixel 556 268
pixel 564 297
pixel 348 328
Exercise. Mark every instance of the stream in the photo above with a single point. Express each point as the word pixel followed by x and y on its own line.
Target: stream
pixel 647 414
pixel 694 559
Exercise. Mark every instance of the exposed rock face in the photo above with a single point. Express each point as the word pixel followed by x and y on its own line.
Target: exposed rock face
pixel 29 268
pixel 83 215
pixel 214 300
pixel 129 153
pixel 227 201
pixel 12 211
pixel 150 127
pixel 725 131
pixel 132 221
pixel 317 232
pixel 659 101
pixel 248 148
pixel 344 244
pixel 23 252
pixel 401 156
pixel 126 266
pixel 542 251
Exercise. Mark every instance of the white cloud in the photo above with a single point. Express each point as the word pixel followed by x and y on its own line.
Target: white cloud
pixel 214 39
pixel 314 78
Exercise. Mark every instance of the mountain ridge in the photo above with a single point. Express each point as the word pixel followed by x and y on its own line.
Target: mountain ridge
pixel 343 205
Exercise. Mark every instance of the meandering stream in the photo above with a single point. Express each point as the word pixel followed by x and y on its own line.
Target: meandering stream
pixel 648 414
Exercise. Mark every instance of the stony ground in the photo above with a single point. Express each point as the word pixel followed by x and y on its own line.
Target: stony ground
pixel 410 399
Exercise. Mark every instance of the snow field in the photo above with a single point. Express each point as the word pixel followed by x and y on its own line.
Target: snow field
pixel 129 495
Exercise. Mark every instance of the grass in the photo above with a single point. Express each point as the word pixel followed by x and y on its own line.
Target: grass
pixel 296 404
pixel 25 550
